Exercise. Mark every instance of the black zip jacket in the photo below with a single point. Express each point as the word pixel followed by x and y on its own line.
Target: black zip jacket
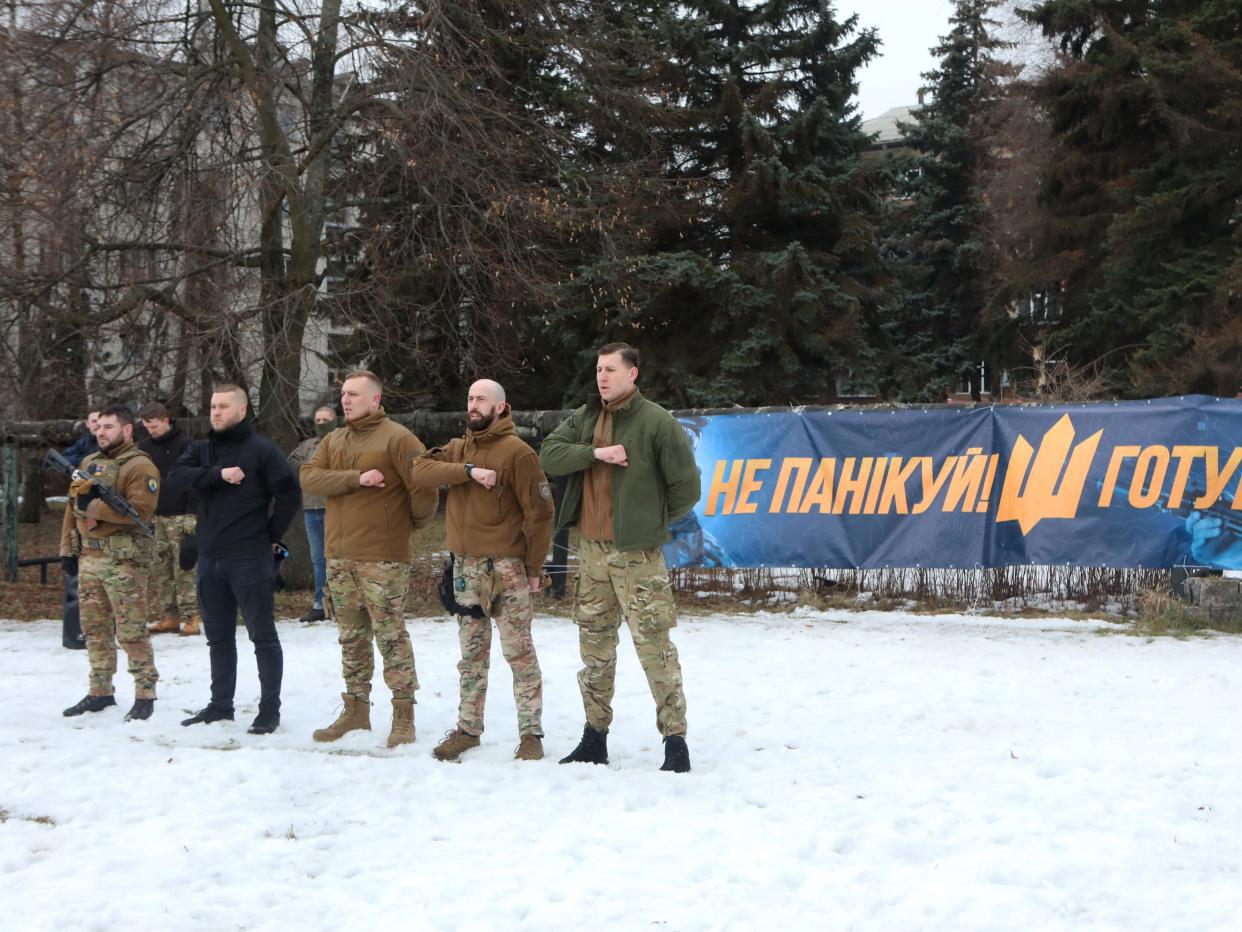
pixel 237 520
pixel 164 452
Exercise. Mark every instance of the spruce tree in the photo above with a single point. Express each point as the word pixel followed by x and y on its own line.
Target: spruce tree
pixel 940 251
pixel 753 272
pixel 1142 194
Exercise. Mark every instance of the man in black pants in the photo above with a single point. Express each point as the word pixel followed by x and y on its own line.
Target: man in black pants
pixel 237 475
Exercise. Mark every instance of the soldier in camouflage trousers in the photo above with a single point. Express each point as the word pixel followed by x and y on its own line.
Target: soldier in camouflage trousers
pixel 502 586
pixel 630 473
pixel 112 600
pixel 113 557
pixel 368 599
pixel 498 516
pixel 364 472
pixel 173 589
pixel 632 583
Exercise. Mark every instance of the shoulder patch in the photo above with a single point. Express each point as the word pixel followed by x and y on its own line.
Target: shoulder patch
pixel 152 485
pixel 545 490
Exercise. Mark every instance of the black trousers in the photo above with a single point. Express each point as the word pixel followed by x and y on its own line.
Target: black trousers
pixel 224 586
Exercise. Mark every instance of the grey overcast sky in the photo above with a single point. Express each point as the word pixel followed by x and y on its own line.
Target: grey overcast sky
pixel 908 29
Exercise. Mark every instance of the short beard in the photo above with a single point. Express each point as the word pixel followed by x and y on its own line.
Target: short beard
pixel 484 423
pixel 107 451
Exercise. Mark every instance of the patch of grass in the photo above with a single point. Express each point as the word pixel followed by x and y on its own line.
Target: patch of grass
pixel 5 815
pixel 1162 614
pixel 1029 611
pixel 846 600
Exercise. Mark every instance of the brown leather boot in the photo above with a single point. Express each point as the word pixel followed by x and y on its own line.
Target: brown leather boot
pixel 455 743
pixel 529 748
pixel 356 715
pixel 191 627
pixel 402 723
pixel 169 624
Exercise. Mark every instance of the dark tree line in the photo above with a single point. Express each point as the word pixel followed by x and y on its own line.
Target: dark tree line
pixel 438 190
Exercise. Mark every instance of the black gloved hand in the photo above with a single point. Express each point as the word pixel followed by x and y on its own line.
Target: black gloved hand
pixel 69 565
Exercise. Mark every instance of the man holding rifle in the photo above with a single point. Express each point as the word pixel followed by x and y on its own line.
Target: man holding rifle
pixel 113 545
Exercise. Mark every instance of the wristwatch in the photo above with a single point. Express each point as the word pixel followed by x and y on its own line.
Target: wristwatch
pixel 469 470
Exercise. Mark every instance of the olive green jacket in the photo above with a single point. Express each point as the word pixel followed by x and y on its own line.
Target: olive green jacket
pixel 660 484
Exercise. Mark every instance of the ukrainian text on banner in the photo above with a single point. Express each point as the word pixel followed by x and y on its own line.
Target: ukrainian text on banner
pixel 1126 484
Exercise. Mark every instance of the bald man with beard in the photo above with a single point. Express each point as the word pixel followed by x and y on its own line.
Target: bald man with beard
pixel 498 517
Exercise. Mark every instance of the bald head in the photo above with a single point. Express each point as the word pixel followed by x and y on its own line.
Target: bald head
pixel 484 402
pixel 493 390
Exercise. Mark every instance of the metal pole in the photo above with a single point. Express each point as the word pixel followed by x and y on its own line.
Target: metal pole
pixel 10 512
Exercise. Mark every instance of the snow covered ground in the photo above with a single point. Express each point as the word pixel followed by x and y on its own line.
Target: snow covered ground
pixel 864 771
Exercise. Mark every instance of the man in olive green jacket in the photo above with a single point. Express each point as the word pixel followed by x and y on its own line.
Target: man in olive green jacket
pixel 631 473
pixel 365 472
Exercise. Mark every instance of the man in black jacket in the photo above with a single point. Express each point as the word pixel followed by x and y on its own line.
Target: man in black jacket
pixel 237 476
pixel 173 590
pixel 84 446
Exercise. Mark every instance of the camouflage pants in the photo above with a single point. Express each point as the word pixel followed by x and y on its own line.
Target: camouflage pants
pixel 634 584
pixel 112 596
pixel 513 612
pixel 368 602
pixel 173 590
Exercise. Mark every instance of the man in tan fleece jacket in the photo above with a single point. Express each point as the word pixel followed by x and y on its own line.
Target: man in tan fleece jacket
pixel 499 516
pixel 364 471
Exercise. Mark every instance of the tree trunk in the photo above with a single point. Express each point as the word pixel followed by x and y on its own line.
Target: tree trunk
pixel 297 571
pixel 32 506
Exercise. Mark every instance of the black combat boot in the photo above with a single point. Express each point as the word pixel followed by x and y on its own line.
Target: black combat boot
pixel 265 723
pixel 312 615
pixel 592 749
pixel 210 713
pixel 90 704
pixel 141 710
pixel 676 754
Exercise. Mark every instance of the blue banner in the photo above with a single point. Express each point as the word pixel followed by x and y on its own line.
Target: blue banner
pixel 1124 484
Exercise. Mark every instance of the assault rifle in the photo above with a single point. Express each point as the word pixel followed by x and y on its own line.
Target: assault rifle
pixel 111 497
pixel 1230 520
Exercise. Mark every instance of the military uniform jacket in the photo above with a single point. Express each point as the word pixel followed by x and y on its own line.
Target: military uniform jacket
pixel 364 522
pixel 131 472
pixel 660 484
pixel 512 519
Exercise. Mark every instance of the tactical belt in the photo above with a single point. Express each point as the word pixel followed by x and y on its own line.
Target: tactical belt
pixel 96 543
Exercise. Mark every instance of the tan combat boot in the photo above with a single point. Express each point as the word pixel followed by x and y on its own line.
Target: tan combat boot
pixel 191 628
pixel 356 715
pixel 529 748
pixel 402 723
pixel 455 743
pixel 169 624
